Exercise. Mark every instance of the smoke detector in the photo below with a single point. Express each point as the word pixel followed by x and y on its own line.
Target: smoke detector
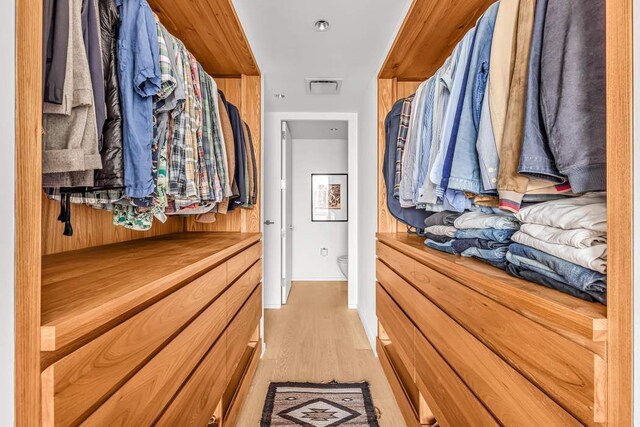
pixel 323 86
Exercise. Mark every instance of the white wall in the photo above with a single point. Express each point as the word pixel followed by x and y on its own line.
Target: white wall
pixel 368 203
pixel 7 229
pixel 316 156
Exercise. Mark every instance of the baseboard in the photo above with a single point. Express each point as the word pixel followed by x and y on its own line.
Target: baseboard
pixel 317 279
pixel 371 335
pixel 273 306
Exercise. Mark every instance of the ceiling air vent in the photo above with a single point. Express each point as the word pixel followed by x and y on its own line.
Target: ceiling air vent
pixel 323 86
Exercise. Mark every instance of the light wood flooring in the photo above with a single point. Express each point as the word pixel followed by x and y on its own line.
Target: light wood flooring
pixel 316 338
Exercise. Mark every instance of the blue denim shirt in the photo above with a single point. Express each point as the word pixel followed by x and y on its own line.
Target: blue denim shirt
pixel 465 168
pixel 422 160
pixel 139 72
pixel 457 89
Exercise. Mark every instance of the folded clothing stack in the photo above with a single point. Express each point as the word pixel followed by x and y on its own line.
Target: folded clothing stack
pixel 484 234
pixel 562 244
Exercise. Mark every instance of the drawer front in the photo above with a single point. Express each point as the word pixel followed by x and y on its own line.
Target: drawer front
pixel 242 261
pixel 510 397
pixel 398 327
pixel 240 290
pixel 197 399
pixel 242 328
pixel 78 382
pixel 450 399
pixel 563 369
pixel 141 399
pixel 400 393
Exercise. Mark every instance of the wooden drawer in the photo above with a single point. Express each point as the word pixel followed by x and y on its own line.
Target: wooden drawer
pixel 511 398
pixel 197 399
pixel 75 385
pixel 452 402
pixel 242 261
pixel 141 399
pixel 566 371
pixel 404 390
pixel 242 288
pixel 398 327
pixel 241 329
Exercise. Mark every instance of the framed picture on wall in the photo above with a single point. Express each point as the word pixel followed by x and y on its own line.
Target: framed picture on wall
pixel 329 201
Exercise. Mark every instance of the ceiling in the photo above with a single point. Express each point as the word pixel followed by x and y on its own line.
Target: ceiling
pixel 288 49
pixel 318 129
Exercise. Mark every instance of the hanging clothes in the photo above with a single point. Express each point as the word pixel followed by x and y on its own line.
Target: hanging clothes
pixel 140 79
pixel 55 43
pixel 70 140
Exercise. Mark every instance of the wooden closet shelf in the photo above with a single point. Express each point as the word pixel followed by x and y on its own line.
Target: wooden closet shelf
pixel 83 291
pixel 428 35
pixel 558 311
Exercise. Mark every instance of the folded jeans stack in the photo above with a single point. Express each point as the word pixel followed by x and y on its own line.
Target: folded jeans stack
pixel 440 231
pixel 482 234
pixel 563 245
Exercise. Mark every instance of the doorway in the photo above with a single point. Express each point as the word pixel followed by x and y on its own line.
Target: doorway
pixel 309 240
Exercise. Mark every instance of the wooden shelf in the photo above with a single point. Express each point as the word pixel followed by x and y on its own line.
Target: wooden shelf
pixel 211 30
pixel 428 35
pixel 583 321
pixel 88 290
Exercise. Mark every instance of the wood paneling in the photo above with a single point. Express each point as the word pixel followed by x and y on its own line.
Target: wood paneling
pixel 450 399
pixel 91 228
pixel 404 402
pixel 86 290
pixel 386 98
pixel 581 321
pixel 242 288
pixel 428 35
pixel 211 30
pixel 28 180
pixel 510 397
pixel 246 371
pixel 398 327
pixel 241 262
pixel 241 328
pixel 536 352
pixel 620 133
pixel 139 401
pixel 83 379
pixel 197 399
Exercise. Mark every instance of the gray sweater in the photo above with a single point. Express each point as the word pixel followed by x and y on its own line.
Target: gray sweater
pixel 70 141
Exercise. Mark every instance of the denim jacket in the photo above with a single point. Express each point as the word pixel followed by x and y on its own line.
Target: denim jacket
pixel 462 57
pixel 465 168
pixel 139 61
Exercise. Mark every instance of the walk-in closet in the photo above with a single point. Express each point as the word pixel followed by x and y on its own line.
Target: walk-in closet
pixel 461 340
pixel 363 213
pixel 126 313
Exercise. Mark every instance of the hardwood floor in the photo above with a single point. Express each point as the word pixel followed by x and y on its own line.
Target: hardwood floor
pixel 316 338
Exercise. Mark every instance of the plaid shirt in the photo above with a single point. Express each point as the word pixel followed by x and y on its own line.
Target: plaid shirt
pixel 405 116
pixel 219 146
pixel 183 166
pixel 208 161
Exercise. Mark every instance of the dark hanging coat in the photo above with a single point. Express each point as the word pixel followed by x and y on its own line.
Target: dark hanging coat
pixel 112 173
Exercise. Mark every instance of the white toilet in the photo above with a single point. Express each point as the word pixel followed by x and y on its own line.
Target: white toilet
pixel 343 263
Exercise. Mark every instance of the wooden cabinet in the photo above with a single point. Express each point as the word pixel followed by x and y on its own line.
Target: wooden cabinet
pixel 166 347
pixel 474 355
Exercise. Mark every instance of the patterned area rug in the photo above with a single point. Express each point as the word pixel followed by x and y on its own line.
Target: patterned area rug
pixel 319 405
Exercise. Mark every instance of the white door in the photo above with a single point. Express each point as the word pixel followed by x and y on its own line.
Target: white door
pixel 286 212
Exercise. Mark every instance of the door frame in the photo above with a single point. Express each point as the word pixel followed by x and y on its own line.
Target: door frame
pixel 272 281
pixel 286 150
